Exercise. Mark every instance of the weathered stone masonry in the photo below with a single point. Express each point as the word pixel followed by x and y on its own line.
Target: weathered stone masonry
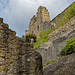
pixel 16 56
pixel 40 22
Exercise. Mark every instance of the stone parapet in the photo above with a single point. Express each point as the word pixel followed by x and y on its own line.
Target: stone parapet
pixel 68 27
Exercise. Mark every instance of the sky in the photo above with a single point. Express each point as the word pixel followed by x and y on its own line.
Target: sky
pixel 17 13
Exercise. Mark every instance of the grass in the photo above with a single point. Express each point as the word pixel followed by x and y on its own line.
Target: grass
pixel 43 38
pixel 50 62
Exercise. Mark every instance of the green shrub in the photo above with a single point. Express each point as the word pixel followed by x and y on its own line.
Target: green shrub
pixel 69 48
pixel 50 62
pixel 29 36
pixel 43 38
pixel 39 42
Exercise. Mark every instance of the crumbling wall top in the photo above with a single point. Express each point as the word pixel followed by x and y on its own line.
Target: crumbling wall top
pixel 1 20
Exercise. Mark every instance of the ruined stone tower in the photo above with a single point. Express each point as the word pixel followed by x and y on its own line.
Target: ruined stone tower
pixel 39 22
pixel 43 14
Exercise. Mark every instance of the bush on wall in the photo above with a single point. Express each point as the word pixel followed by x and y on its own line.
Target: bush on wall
pixel 69 48
pixel 29 36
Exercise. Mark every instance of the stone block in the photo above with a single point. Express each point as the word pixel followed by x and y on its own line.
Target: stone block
pixel 2 54
pixel 2 67
pixel 8 55
pixel 8 61
pixel 2 60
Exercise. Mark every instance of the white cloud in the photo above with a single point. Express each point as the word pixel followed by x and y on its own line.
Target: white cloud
pixel 17 13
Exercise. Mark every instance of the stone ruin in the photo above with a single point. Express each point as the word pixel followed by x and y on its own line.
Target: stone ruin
pixel 17 57
pixel 40 22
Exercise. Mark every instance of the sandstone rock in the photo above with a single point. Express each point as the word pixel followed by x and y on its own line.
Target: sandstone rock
pixel 2 61
pixel 2 54
pixel 2 67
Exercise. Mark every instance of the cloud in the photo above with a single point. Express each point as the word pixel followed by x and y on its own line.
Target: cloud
pixel 17 13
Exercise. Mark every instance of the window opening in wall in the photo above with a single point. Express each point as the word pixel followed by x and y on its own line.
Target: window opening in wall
pixel 32 32
pixel 38 27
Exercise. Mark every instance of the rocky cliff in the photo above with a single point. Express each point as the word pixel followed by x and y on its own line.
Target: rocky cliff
pixel 51 50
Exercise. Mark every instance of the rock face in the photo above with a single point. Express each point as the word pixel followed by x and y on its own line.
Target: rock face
pixel 40 22
pixel 65 66
pixel 51 50
pixel 16 56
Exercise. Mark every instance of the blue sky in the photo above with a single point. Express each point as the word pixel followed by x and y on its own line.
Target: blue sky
pixel 17 13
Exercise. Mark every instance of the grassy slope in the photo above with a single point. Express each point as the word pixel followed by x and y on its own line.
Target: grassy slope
pixel 60 20
pixel 65 16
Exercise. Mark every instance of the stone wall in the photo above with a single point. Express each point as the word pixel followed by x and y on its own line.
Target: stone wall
pixel 14 52
pixel 68 27
pixel 11 47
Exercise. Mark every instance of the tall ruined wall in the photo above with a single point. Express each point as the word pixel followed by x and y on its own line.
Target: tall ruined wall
pixel 16 54
pixel 39 22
